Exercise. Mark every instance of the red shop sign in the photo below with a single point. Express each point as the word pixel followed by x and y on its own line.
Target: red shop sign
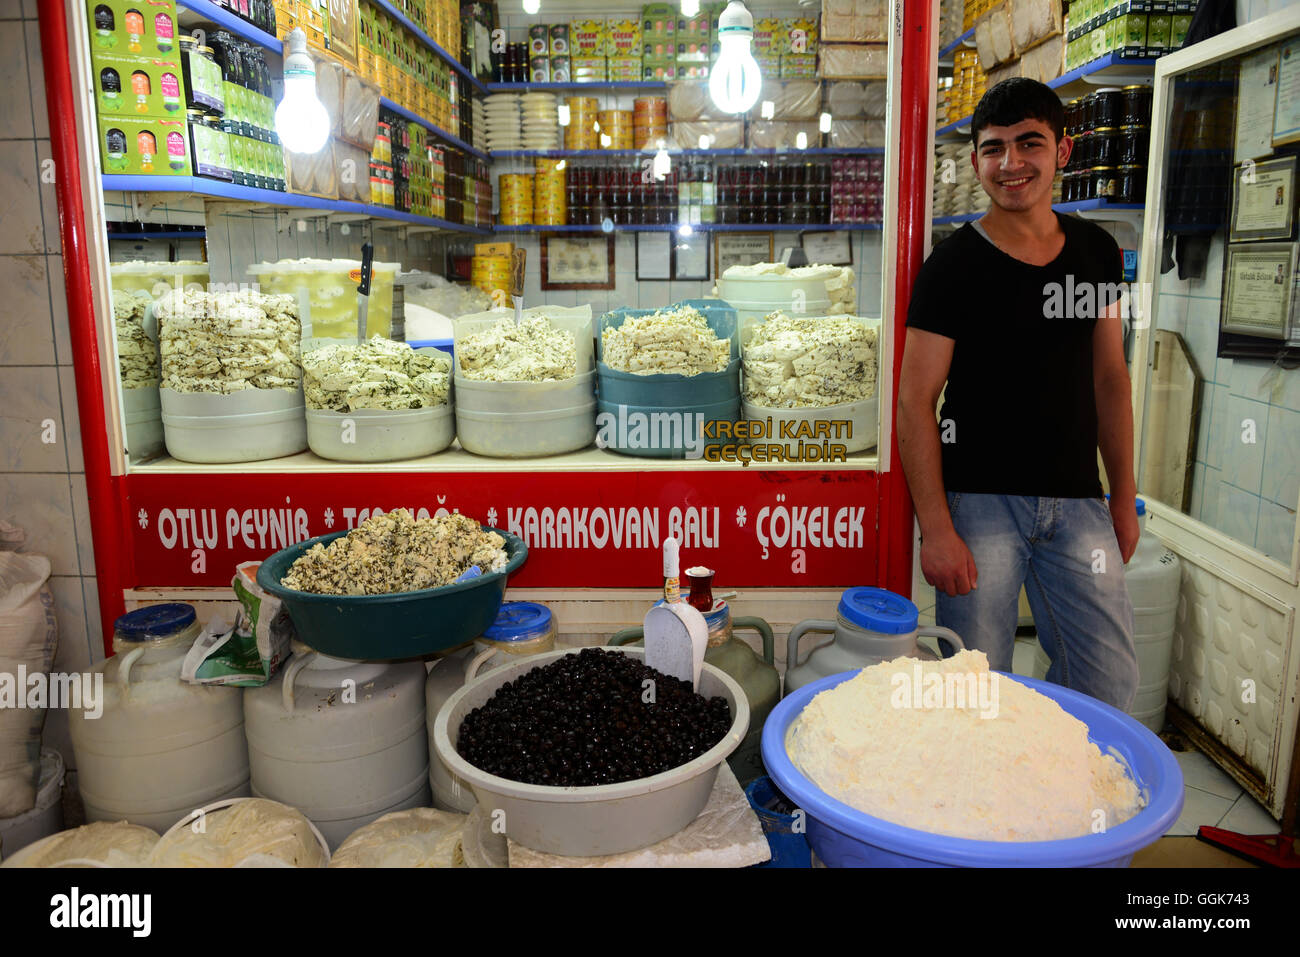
pixel 583 529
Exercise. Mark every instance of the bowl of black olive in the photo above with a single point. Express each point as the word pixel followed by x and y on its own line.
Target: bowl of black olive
pixel 590 751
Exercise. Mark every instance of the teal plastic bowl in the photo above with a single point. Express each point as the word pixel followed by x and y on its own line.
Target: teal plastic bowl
pixel 618 434
pixel 399 625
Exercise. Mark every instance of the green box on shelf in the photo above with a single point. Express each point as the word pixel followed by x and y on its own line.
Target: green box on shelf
pixel 141 27
pixel 1159 34
pixel 1132 35
pixel 138 85
pixel 144 145
pixel 659 20
pixel 798 65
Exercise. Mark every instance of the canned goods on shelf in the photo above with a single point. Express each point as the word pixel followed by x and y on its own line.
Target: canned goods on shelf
pixel 1131 184
pixel 1104 182
pixel 1132 145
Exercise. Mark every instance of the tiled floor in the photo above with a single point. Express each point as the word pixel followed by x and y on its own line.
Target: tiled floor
pixel 1210 797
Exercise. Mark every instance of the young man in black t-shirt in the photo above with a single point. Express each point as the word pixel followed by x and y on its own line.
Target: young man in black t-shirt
pixel 1018 314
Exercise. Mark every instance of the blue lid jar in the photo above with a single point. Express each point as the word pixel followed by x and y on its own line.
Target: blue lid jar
pixel 877 609
pixel 519 621
pixel 154 622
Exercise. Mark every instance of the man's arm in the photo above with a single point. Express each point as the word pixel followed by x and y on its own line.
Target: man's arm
pixel 1110 382
pixel 945 561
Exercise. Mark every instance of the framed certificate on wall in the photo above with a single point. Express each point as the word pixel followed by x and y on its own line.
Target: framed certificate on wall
pixel 740 249
pixel 577 262
pixel 1263 200
pixel 1258 286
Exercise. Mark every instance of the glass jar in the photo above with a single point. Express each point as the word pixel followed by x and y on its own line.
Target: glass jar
pixel 1104 183
pixel 1107 107
pixel 521 628
pixel 1132 145
pixel 1104 146
pixel 1135 108
pixel 1131 184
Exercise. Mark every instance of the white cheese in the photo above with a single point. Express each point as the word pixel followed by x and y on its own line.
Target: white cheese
pixel 669 341
pixel 810 362
pixel 530 351
pixel 379 374
pixel 227 342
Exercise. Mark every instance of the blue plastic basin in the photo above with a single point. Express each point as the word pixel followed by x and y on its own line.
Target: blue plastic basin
pixel 668 390
pixel 728 410
pixel 842 836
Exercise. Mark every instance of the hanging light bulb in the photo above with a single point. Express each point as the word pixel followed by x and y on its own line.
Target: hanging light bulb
pixel 532 6
pixel 735 81
pixel 300 120
pixel 690 7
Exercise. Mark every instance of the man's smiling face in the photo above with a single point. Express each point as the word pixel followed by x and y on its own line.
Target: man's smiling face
pixel 1017 164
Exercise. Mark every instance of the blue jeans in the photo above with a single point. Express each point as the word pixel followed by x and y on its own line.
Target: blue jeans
pixel 1064 552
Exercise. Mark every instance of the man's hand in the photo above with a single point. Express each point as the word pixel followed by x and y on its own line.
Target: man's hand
pixel 947 563
pixel 1123 513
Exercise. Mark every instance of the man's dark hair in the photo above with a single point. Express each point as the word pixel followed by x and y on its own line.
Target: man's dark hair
pixel 1016 99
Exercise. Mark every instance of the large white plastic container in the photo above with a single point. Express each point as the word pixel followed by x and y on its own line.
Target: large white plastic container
pixel 754 297
pixel 863 418
pixel 522 435
pixel 342 741
pixel 161 747
pixel 45 818
pixel 479 396
pixel 144 429
pixel 158 278
pixel 326 290
pixel 380 435
pixel 1153 576
pixel 245 426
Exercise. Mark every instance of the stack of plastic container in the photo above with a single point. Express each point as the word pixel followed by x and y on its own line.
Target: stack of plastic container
pixel 326 290
pixel 527 419
pixel 550 206
pixel 663 415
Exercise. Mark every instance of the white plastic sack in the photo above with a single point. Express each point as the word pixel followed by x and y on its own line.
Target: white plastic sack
pixel 106 843
pixel 419 837
pixel 252 832
pixel 28 637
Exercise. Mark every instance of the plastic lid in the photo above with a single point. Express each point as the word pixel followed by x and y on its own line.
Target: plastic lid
pixel 154 622
pixel 1142 507
pixel 519 621
pixel 878 610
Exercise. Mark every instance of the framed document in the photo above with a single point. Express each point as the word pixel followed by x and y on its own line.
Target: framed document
pixel 653 256
pixel 740 249
pixel 1263 200
pixel 1258 285
pixel 577 262
pixel 690 256
pixel 1256 92
pixel 1286 95
pixel 833 248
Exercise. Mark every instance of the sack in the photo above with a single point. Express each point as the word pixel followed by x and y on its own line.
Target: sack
pixel 247 655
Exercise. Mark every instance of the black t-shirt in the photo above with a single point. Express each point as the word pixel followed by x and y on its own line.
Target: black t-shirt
pixel 1019 416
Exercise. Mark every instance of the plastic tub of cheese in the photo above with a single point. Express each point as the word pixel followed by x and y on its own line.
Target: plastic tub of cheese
pixel 326 290
pixel 842 836
pixel 639 402
pixel 157 278
pixel 515 435
pixel 597 819
pixel 793 364
pixel 144 428
pixel 754 297
pixel 380 435
pixel 245 426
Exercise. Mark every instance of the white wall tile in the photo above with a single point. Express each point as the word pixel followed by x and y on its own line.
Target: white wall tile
pixel 46 176
pixel 71 427
pixel 25 333
pixel 16 117
pixel 94 621
pixel 1243 461
pixel 1214 402
pixel 1276 530
pixel 40 112
pixel 1211 496
pixel 59 310
pixel 81 523
pixel 29 9
pixel 1247 378
pixel 1286 389
pixel 11 9
pixel 31 416
pixel 42 505
pixel 20 204
pixel 1198 490
pixel 1240 515
pixel 1201 334
pixel 1281 478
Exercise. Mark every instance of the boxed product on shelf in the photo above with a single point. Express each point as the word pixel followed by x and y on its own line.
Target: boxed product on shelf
pixel 798 65
pixel 797 99
pixel 854 21
pixel 767 31
pixel 587 38
pixel 539 40
pixel 559 39
pixel 1033 21
pixel 798 35
pixel 693 37
pixel 561 69
pixel 659 20
pixel 137 85
pixel 728 135
pixel 653 68
pixel 994 38
pixel 588 69
pixel 539 69
pixel 329 88
pixel 856 134
pixel 1043 63
pixel 352 172
pixel 622 37
pixel 145 145
pixel 777 134
pixel 691 70
pixel 143 27
pixel 623 68
pixel 851 61
pixel 312 173
pixel 769 65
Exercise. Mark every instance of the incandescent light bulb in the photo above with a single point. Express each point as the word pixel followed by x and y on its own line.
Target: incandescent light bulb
pixel 735 81
pixel 300 119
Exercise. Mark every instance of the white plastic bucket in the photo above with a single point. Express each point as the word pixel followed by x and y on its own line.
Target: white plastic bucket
pixel 242 427
pixel 144 430
pixel 380 435
pixel 515 435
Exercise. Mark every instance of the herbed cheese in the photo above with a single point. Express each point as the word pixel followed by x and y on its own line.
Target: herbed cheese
pixel 379 374
pixel 668 341
pixel 396 553
pixel 530 351
pixel 918 743
pixel 800 362
pixel 137 354
pixel 227 342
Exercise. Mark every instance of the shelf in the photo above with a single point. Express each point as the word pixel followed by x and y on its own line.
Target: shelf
pixel 216 189
pixel 596 154
pixel 960 128
pixel 611 86
pixel 1108 70
pixel 224 18
pixel 965 40
pixel 436 131
pixel 1098 209
pixel 424 38
pixel 697 228
pixel 172 234
pixel 456 459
